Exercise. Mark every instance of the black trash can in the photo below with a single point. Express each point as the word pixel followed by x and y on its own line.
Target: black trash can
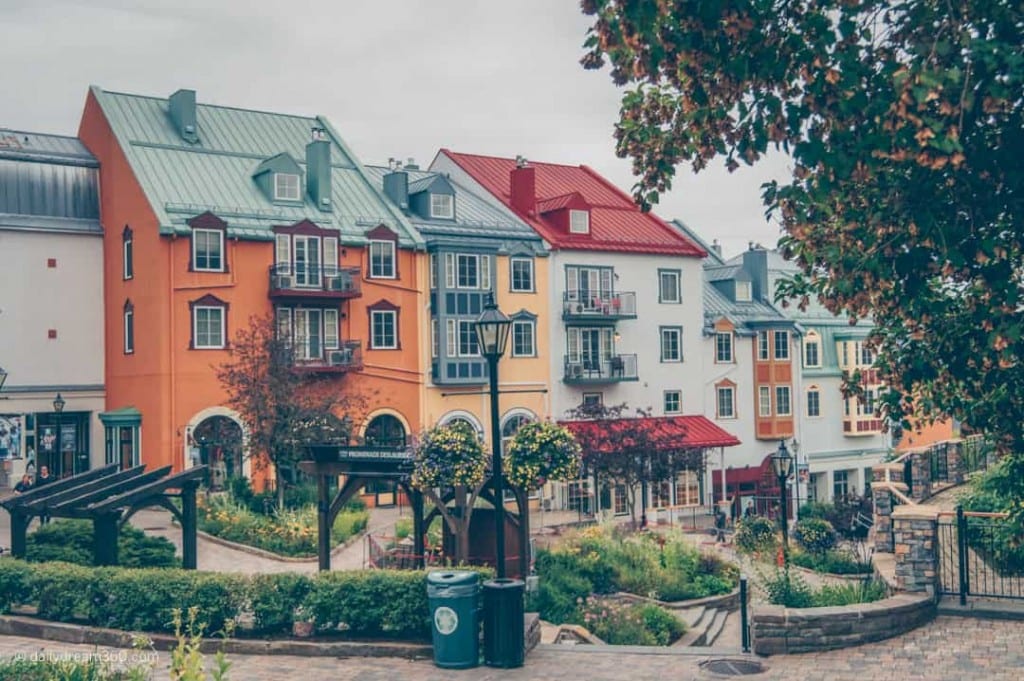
pixel 503 623
pixel 453 597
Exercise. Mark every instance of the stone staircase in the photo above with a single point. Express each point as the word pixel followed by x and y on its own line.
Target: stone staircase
pixel 708 626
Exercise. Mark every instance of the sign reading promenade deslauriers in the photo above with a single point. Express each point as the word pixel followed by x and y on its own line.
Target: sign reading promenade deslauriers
pixel 339 454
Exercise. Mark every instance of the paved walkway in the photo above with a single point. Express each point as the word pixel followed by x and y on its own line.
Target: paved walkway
pixel 948 648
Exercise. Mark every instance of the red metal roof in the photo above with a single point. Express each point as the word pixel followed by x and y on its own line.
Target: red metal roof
pixel 616 222
pixel 682 432
pixel 573 200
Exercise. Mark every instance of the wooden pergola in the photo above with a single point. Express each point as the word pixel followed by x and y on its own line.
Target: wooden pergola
pixel 109 497
pixel 359 465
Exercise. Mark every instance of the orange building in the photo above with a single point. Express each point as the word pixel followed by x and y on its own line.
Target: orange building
pixel 213 215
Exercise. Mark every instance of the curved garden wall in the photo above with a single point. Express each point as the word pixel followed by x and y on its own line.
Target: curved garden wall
pixel 778 630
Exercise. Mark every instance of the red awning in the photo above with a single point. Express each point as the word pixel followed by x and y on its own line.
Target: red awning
pixel 679 432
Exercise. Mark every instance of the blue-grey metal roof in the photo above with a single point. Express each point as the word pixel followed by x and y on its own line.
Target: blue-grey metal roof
pixel 47 182
pixel 475 218
pixel 742 314
pixel 182 179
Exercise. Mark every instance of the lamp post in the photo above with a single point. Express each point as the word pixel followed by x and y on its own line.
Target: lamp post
pixel 492 329
pixel 58 408
pixel 782 463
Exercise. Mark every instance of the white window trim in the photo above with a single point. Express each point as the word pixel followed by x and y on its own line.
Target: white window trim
pixel 279 194
pixel 789 400
pixel 732 353
pixel 785 346
pixel 220 242
pixel 679 344
pixel 469 324
pixel 679 401
pixel 393 253
pixel 764 406
pixel 816 390
pixel 128 263
pixel 195 327
pixel 435 336
pixel 718 401
pixel 579 221
pixel 450 203
pixel 512 281
pixel 763 346
pixel 747 290
pixel 129 339
pixel 433 271
pixel 373 326
pixel 479 272
pixel 533 337
pixel 812 339
pixel 678 287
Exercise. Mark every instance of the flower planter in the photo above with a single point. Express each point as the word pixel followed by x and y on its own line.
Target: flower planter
pixel 302 629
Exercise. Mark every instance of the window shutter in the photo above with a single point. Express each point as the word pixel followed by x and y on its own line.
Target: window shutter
pixel 434 341
pixel 433 270
pixel 452 339
pixel 574 345
pixel 330 256
pixel 572 282
pixel 284 323
pixel 283 250
pixel 331 329
pixel 449 270
pixel 606 344
pixel 485 272
pixel 606 283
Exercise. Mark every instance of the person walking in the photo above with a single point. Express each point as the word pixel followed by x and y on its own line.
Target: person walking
pixel 44 478
pixel 719 525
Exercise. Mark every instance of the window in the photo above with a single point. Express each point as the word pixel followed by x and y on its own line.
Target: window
pixel 593 399
pixel 671 344
pixel 844 354
pixel 668 286
pixel 726 402
pixel 869 402
pixel 442 206
pixel 382 259
pixel 579 221
pixel 688 489
pixel 383 329
pixel 208 327
pixel 385 431
pixel 129 327
pixel 840 484
pixel 764 401
pixel 208 250
pixel 433 271
pixel 813 401
pixel 523 338
pixel 743 294
pixel 673 401
pixel 588 285
pixel 762 346
pixel 620 503
pixel 783 404
pixel 867 356
pixel 127 254
pixel 723 348
pixel 468 271
pixel 469 345
pixel 521 270
pixel 286 187
pixel 812 350
pixel 782 345
pixel 435 341
pixel 122 445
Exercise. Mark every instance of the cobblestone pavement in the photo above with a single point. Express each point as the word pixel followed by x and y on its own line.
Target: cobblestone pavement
pixel 948 648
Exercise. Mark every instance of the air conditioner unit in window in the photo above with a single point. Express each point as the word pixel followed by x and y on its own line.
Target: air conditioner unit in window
pixel 332 283
pixel 283 281
pixel 337 358
pixel 575 371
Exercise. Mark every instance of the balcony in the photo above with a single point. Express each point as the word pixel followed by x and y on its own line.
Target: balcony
pixel 614 369
pixel 298 281
pixel 861 427
pixel 590 307
pixel 347 357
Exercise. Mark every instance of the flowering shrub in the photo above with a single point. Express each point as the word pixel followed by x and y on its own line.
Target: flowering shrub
pixel 541 451
pixel 815 535
pixel 448 456
pixel 627 624
pixel 755 534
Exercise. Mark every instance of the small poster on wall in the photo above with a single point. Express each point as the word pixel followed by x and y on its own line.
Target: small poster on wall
pixel 68 441
pixel 10 436
pixel 47 439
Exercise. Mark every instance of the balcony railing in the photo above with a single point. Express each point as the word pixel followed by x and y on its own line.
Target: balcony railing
pixel 299 281
pixel 348 356
pixel 865 425
pixel 581 305
pixel 605 370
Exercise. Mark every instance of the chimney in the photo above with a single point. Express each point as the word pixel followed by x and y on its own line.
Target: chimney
pixel 318 172
pixel 410 164
pixel 182 108
pixel 396 184
pixel 755 262
pixel 524 187
pixel 716 247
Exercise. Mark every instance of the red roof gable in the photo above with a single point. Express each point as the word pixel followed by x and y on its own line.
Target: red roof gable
pixel 685 432
pixel 573 200
pixel 616 223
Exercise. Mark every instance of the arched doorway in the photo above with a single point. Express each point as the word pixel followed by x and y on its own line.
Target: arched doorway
pixel 219 440
pixel 384 430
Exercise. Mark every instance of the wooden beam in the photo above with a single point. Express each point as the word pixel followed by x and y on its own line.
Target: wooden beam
pixel 347 491
pixel 59 485
pixel 323 526
pixel 104 537
pixel 152 489
pixel 189 552
pixel 66 501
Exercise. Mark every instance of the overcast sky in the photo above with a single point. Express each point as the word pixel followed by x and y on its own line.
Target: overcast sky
pixel 397 78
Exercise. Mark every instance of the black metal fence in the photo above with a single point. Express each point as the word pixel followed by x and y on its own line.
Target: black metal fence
pixel 979 557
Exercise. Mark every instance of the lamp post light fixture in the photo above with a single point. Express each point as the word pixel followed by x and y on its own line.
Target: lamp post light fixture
pixel 3 377
pixel 58 408
pixel 782 463
pixel 492 330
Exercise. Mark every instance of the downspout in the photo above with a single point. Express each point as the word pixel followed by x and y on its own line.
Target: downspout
pixel 171 341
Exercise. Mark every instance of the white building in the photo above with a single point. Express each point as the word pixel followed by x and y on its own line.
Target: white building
pixel 51 305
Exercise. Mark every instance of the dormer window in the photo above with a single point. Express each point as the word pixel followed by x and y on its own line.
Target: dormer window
pixel 743 294
pixel 442 206
pixel 286 187
pixel 579 221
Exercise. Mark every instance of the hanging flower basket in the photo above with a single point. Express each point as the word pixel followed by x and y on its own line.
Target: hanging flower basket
pixel 541 451
pixel 449 455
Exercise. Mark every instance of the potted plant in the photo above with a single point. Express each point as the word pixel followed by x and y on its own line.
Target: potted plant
pixel 303 622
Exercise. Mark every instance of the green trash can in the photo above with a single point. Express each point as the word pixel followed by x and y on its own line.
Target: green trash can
pixel 504 622
pixel 453 597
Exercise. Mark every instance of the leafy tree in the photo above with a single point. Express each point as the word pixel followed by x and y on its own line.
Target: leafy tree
pixel 905 124
pixel 283 406
pixel 630 449
pixel 451 464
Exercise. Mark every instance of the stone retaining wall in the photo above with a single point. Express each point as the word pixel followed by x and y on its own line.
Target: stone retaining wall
pixel 778 630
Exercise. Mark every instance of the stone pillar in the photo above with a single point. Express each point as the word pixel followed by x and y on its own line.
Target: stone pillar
pixel 955 462
pixel 920 475
pixel 883 517
pixel 888 472
pixel 915 529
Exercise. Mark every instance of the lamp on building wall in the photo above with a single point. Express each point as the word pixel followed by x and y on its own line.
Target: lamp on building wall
pixel 3 379
pixel 492 329
pixel 782 463
pixel 58 408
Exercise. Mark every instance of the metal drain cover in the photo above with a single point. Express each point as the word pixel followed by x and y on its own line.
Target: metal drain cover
pixel 733 667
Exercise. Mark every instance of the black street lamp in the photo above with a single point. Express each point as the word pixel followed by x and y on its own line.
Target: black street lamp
pixel 58 408
pixel 492 329
pixel 782 463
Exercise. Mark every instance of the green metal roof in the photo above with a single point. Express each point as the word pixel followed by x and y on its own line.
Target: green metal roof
pixel 182 180
pixel 125 416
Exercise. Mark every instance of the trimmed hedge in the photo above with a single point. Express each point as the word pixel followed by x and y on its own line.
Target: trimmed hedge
pixel 377 603
pixel 71 541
